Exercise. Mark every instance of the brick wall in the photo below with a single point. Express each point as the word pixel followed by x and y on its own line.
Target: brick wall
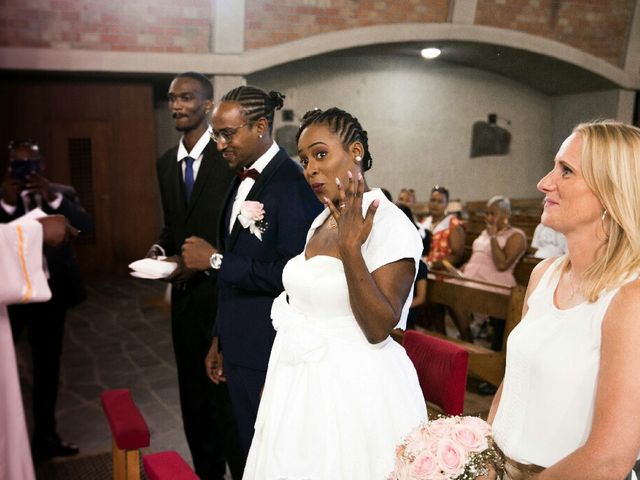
pixel 599 27
pixel 124 25
pixel 270 22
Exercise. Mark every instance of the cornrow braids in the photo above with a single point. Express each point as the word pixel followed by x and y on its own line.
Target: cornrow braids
pixel 256 103
pixel 343 124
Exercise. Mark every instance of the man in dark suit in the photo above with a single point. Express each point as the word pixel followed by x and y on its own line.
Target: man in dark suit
pixel 267 214
pixel 24 188
pixel 193 180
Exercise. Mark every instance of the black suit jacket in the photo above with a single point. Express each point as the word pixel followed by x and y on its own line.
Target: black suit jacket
pixel 251 273
pixel 200 217
pixel 64 272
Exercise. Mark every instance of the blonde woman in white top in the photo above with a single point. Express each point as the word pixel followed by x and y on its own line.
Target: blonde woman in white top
pixel 569 406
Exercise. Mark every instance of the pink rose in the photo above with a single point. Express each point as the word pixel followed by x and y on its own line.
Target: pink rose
pixel 252 210
pixel 424 466
pixel 451 457
pixel 478 424
pixel 440 428
pixel 471 438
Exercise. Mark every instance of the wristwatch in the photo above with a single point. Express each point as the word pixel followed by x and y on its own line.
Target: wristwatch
pixel 215 261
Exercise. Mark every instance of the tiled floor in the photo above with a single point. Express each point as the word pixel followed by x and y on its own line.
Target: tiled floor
pixel 121 338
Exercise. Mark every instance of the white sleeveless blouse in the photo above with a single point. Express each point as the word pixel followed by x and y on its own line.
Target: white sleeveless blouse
pixel 549 389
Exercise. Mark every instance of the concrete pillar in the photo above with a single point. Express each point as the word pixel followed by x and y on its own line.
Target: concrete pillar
pixel 223 83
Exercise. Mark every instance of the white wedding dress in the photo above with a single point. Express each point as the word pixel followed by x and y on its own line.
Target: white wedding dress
pixel 335 406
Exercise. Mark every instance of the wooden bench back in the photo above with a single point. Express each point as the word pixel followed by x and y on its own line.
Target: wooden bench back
pixel 506 304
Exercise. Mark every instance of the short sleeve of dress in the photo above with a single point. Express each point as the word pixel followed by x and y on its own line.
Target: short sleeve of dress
pixel 393 237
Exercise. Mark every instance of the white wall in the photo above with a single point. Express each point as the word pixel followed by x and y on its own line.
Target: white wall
pixel 419 117
pixel 570 110
pixel 166 134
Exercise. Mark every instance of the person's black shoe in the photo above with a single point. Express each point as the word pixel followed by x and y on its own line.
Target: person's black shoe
pixel 485 388
pixel 44 448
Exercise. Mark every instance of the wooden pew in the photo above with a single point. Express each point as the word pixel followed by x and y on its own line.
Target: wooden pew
pixel 507 303
pixel 129 433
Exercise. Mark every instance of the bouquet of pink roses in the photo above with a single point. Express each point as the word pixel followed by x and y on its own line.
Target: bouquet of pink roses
pixel 449 448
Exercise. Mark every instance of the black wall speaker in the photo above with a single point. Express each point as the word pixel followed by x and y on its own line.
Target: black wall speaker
pixel 487 138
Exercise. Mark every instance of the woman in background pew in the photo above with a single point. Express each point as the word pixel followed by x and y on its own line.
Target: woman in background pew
pixel 494 256
pixel 569 405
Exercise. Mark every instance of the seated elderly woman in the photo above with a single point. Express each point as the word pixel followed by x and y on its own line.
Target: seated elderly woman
pixel 493 259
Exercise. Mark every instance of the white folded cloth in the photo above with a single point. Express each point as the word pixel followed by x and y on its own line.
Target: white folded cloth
pixel 152 268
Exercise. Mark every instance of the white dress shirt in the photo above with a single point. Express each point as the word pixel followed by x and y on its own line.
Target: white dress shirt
pixel 195 153
pixel 246 184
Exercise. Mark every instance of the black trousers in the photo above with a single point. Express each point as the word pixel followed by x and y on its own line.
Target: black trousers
pixel 45 329
pixel 245 388
pixel 206 408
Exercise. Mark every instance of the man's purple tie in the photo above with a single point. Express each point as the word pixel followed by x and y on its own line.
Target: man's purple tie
pixel 188 177
pixel 250 173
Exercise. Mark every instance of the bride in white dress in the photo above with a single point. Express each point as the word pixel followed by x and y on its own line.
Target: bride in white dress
pixel 340 393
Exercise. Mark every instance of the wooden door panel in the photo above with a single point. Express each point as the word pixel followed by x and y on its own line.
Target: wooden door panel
pixel 82 153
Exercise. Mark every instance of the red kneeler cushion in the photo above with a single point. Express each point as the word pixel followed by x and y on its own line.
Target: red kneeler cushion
pixel 442 369
pixel 167 466
pixel 128 427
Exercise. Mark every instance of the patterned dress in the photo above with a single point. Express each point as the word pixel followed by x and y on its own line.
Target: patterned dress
pixel 441 231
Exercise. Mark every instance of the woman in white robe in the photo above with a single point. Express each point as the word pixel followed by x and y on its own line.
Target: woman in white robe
pixel 23 281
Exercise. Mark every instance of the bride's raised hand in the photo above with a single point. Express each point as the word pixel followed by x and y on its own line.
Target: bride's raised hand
pixel 353 228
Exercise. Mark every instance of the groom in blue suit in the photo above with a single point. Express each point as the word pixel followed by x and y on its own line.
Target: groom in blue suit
pixel 267 213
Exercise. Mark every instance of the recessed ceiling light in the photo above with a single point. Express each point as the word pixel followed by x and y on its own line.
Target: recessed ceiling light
pixel 430 53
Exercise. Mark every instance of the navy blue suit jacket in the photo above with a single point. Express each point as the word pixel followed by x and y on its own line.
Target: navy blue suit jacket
pixel 251 273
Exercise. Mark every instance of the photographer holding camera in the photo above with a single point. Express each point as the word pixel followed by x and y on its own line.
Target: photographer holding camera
pixel 24 188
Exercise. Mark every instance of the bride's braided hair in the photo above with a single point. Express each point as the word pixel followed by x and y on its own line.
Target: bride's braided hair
pixel 256 103
pixel 343 124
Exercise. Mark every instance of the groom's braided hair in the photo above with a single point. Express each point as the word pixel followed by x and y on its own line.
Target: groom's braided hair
pixel 343 124
pixel 256 103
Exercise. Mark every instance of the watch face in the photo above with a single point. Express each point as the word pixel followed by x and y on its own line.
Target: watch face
pixel 216 261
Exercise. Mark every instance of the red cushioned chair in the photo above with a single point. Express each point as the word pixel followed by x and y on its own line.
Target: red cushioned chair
pixel 128 430
pixel 442 370
pixel 167 466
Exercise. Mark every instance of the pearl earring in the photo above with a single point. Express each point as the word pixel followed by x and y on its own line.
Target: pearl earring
pixel 260 136
pixel 358 158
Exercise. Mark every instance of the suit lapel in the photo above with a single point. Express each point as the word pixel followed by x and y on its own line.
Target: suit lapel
pixel 225 217
pixel 263 180
pixel 178 190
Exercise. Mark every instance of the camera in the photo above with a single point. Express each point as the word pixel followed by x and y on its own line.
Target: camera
pixel 21 169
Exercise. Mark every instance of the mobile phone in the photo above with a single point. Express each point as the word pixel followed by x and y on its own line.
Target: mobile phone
pixel 21 169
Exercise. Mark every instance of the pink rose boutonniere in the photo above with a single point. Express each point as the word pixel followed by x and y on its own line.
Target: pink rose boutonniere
pixel 251 216
pixel 448 448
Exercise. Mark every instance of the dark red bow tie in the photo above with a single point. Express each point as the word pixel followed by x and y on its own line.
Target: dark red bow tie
pixel 250 173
